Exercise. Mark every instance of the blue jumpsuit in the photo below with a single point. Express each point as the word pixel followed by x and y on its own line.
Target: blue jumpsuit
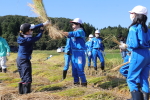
pixel 67 56
pixel 78 54
pixel 138 42
pixel 96 51
pixel 89 49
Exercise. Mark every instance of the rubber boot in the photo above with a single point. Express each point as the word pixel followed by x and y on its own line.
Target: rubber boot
pixel 26 88
pixel 102 67
pixel 84 84
pixel 20 88
pixel 139 88
pixel 95 68
pixel 76 83
pixel 64 74
pixel 5 70
pixel 145 95
pixel 136 95
pixel 0 69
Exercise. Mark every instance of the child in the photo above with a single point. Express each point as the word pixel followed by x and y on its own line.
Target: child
pixel 78 51
pixel 97 50
pixel 138 43
pixel 67 57
pixel 89 50
pixel 4 51
pixel 123 52
pixel 25 41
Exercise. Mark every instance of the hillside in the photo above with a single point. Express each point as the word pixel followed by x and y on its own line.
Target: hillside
pixel 48 85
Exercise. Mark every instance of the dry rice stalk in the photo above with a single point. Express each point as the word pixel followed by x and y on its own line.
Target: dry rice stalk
pixel 115 40
pixel 116 68
pixel 38 8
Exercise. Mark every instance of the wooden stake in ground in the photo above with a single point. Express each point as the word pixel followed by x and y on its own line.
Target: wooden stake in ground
pixel 116 68
pixel 38 8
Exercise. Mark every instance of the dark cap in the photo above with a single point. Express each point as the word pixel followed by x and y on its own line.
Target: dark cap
pixel 25 27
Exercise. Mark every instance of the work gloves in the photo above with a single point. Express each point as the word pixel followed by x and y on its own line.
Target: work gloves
pixel 46 23
pixel 122 46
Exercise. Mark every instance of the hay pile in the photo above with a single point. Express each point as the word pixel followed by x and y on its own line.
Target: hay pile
pixel 38 8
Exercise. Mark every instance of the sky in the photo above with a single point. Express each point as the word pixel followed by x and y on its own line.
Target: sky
pixel 99 13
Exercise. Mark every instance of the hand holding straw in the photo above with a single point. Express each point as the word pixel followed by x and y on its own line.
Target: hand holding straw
pixel 38 8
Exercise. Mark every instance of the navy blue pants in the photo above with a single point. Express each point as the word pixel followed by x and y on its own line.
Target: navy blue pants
pixel 25 70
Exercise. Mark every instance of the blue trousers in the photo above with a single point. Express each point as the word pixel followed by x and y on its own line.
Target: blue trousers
pixel 124 69
pixel 138 68
pixel 78 63
pixel 25 70
pixel 97 53
pixel 89 60
pixel 123 54
pixel 67 61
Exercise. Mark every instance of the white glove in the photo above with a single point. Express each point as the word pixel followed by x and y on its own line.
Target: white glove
pixel 89 53
pixel 8 54
pixel 122 46
pixel 46 23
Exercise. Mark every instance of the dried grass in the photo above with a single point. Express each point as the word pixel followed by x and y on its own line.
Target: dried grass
pixel 114 39
pixel 38 8
pixel 119 66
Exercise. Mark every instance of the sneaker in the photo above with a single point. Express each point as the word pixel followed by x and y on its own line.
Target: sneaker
pixel 5 70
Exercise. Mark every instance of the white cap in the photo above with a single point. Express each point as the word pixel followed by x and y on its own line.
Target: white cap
pixel 32 26
pixel 77 20
pixel 91 36
pixel 97 31
pixel 139 10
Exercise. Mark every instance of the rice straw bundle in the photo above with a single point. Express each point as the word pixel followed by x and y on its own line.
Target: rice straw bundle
pixel 115 40
pixel 117 67
pixel 38 8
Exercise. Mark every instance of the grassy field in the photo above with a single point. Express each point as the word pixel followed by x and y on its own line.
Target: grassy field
pixel 48 85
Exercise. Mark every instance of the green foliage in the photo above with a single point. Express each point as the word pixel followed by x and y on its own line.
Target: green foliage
pixel 10 26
